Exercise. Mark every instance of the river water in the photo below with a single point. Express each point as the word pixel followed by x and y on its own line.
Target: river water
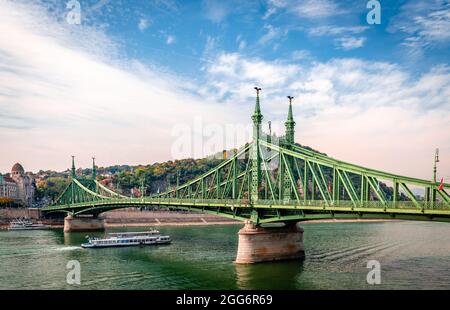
pixel 412 255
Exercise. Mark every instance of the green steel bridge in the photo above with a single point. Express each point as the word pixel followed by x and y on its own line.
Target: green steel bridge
pixel 275 180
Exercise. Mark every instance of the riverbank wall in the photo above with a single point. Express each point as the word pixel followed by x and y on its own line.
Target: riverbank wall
pixel 124 218
pixel 132 217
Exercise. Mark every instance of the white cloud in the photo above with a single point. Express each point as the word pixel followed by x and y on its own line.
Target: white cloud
pixel 426 24
pixel 143 24
pixel 311 9
pixel 316 8
pixel 335 30
pixel 270 11
pixel 57 99
pixel 349 43
pixel 371 113
pixel 234 73
pixel 301 55
pixel 434 26
pixel 210 46
pixel 170 39
pixel 241 42
pixel 273 6
pixel 216 11
pixel 271 34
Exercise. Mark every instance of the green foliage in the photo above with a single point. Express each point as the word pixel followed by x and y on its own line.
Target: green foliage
pixel 158 176
pixel 162 175
pixel 51 187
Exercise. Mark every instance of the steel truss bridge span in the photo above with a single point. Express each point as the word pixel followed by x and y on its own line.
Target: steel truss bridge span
pixel 270 181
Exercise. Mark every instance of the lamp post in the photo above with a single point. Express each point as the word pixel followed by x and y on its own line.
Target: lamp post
pixel 436 160
pixel 433 187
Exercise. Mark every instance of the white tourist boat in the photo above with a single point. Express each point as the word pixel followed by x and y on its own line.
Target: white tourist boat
pixel 24 224
pixel 121 239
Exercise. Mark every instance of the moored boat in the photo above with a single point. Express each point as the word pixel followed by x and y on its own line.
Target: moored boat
pixel 121 239
pixel 24 224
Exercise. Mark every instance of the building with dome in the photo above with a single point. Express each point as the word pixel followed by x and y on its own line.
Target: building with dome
pixel 18 186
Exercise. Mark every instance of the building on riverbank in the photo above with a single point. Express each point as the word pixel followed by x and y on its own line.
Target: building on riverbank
pixel 18 186
pixel 8 188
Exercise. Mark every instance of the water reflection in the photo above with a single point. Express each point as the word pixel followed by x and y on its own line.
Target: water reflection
pixel 276 275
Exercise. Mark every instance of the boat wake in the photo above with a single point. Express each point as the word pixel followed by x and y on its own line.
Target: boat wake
pixel 68 248
pixel 354 252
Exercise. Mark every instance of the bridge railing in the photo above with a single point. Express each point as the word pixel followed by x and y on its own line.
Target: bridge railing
pixel 243 203
pixel 365 204
pixel 315 203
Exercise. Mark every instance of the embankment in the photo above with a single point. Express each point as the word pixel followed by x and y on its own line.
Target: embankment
pixel 123 218
pixel 131 217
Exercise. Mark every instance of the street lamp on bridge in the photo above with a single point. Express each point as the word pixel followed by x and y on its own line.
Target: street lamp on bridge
pixel 436 160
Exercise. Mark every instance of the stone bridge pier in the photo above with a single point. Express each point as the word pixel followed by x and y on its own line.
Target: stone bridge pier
pixel 264 244
pixel 74 223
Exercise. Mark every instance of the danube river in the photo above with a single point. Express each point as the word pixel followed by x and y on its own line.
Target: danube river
pixel 413 255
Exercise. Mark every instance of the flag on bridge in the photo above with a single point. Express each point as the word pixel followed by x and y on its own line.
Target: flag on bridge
pixel 441 186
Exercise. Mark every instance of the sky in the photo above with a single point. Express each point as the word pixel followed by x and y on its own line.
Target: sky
pixel 138 82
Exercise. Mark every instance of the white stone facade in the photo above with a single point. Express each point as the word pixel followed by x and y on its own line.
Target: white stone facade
pixel 18 186
pixel 8 188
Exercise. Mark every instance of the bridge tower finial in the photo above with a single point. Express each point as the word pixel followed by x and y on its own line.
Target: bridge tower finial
pixel 73 167
pixel 290 123
pixel 255 151
pixel 257 116
pixel 94 169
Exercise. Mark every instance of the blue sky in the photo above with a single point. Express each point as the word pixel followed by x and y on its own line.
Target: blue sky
pixel 121 84
pixel 184 35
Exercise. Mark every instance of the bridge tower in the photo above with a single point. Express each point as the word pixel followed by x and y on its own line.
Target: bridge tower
pixel 94 174
pixel 286 164
pixel 290 123
pixel 73 167
pixel 255 152
pixel 94 169
pixel 72 185
pixel 258 243
pixel 71 221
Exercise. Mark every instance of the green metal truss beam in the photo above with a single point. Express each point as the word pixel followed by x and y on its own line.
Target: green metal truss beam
pixel 224 187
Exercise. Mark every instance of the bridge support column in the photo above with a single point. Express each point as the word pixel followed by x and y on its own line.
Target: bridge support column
pixel 74 223
pixel 264 244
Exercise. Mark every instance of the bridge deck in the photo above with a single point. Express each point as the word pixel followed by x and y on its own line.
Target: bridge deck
pixel 301 211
